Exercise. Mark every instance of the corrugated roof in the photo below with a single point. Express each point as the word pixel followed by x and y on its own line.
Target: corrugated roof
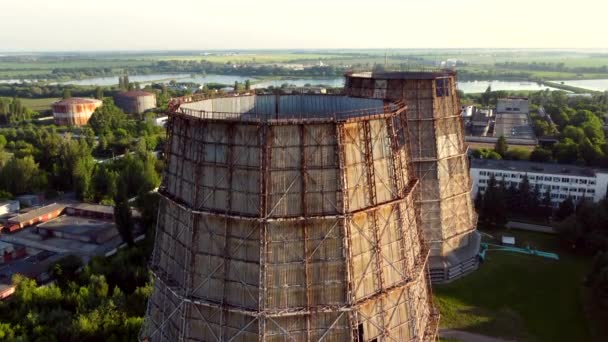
pixel 37 213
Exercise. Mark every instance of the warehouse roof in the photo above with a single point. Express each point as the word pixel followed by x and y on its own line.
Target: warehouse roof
pixel 32 214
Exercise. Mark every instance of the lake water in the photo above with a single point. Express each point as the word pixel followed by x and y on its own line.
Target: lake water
pixel 300 82
pixel 466 86
pixel 147 79
pixel 481 86
pixel 599 85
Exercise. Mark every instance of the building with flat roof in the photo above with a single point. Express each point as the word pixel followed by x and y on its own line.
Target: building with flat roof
pixel 7 207
pixel 561 180
pixel 34 216
pixel 9 252
pixel 97 211
pixel 513 105
pixel 78 228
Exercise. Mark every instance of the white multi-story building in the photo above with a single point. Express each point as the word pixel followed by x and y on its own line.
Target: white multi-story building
pixel 562 180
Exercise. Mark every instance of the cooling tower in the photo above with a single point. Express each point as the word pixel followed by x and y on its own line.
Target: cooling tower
pixel 440 162
pixel 289 218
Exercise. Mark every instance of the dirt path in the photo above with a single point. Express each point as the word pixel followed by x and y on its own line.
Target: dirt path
pixel 468 337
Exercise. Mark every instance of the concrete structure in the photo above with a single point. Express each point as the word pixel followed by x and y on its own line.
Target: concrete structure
pixel 135 101
pixel 513 105
pixel 30 200
pixel 78 228
pixel 514 126
pixel 467 111
pixel 75 111
pixel 96 211
pixel 10 252
pixel 562 180
pixel 440 163
pixel 289 218
pixel 7 207
pixel 33 217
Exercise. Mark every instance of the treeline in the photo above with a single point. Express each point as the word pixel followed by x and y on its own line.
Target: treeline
pixel 13 111
pixel 548 66
pixel 501 200
pixel 43 90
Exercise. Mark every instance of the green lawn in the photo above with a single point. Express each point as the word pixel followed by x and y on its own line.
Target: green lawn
pixel 520 297
pixel 37 104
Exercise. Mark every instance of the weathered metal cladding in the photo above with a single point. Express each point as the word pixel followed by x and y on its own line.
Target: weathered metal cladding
pixel 135 102
pixel 74 111
pixel 273 228
pixel 437 148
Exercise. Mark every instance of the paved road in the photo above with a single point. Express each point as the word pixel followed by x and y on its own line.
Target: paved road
pixel 531 227
pixel 468 337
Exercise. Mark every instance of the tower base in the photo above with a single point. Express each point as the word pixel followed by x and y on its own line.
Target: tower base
pixel 445 269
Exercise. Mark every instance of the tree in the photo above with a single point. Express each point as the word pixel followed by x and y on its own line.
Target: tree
pixel 565 209
pixel 478 201
pixel 576 134
pixel 236 86
pixel 546 203
pixel 566 152
pixel 99 93
pixel 517 153
pixel 22 175
pixel 122 216
pixel 67 93
pixel 501 146
pixel 494 208
pixel 540 155
pixel 592 154
pixel 107 118
pixel 247 85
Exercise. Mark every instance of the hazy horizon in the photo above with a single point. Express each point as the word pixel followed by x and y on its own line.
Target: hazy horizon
pixel 189 25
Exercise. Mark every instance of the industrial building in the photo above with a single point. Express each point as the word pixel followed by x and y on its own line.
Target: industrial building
pixel 561 181
pixel 135 101
pixel 513 105
pixel 294 217
pixel 10 252
pixel 78 228
pixel 74 111
pixel 435 127
pixel 8 207
pixel 33 217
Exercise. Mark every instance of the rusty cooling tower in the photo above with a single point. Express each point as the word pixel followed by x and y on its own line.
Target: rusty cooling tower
pixel 439 158
pixel 289 218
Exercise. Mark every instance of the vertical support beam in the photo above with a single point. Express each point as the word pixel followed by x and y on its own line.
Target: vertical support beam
pixel 304 223
pixel 227 226
pixel 346 236
pixel 265 138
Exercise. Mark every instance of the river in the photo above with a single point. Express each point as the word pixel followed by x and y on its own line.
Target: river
pixel 466 86
pixel 598 85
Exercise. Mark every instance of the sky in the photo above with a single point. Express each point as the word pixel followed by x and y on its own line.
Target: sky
pixel 77 25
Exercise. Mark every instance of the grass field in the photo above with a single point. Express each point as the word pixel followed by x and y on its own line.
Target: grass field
pixel 37 104
pixel 520 297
